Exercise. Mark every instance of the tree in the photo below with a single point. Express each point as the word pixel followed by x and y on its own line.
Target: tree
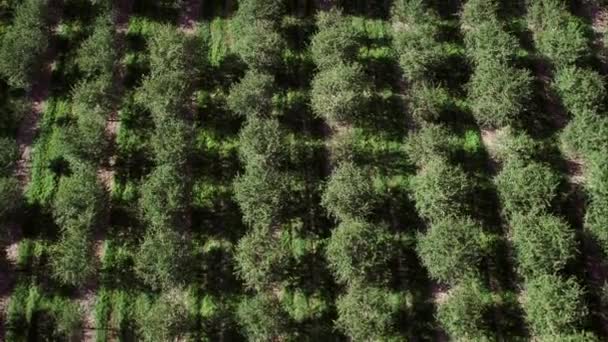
pixel 349 193
pixel 262 318
pixel 359 252
pixel 252 96
pixel 596 221
pixel 441 190
pixel 370 313
pixel 9 154
pixel 513 145
pixel 525 187
pixel 559 36
pixel 336 41
pixel 478 12
pixel 338 93
pixel 163 257
pixel 544 243
pixel 428 102
pixel 10 196
pixel 163 196
pixel 261 193
pixel 415 37
pixel 452 248
pixel 96 54
pixel 72 258
pixel 165 90
pixel 259 45
pixel 499 93
pixel 586 134
pixel 261 258
pixel 430 141
pixel 24 43
pixel 464 315
pixel 171 141
pixel 251 10
pixel 580 89
pixel 554 305
pixel 166 319
pixel 79 199
pixel 489 42
pixel 263 143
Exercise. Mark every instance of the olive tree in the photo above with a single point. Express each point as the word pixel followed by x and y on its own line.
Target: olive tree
pixel 427 102
pixel 338 93
pixel 499 93
pixel 544 243
pixel 24 43
pixel 96 55
pixel 525 187
pixel 580 89
pixel 587 133
pixel 349 193
pixel 489 42
pixel 72 261
pixel 259 45
pixel 10 195
pixel 430 141
pixel 261 258
pixel 452 248
pixel 165 90
pixel 554 305
pixel 262 318
pixel 359 252
pixel 163 257
pixel 9 154
pixel 336 41
pixel 163 196
pixel 261 194
pixel 416 29
pixel 559 35
pixel 441 190
pixel 370 313
pixel 252 96
pixel 166 318
pixel 464 314
pixel 262 143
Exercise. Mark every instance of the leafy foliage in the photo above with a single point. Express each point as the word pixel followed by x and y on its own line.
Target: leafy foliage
pixel 252 95
pixel 544 243
pixel 525 187
pixel 415 33
pixel 338 93
pixel 262 318
pixel 349 193
pixel 581 90
pixel 464 314
pixel 441 190
pixel 24 43
pixel 359 252
pixel 452 248
pixel 163 257
pixel 499 93
pixel 336 42
pixel 554 305
pixel 370 313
